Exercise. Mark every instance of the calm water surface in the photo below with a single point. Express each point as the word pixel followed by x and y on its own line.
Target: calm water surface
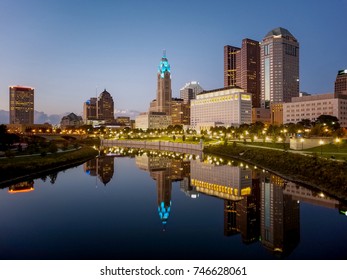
pixel 160 207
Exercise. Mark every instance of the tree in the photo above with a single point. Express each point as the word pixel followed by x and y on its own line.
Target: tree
pixel 7 139
pixel 331 122
pixel 52 148
pixel 306 123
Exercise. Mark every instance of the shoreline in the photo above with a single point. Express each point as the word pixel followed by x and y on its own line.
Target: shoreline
pixel 46 165
pixel 304 180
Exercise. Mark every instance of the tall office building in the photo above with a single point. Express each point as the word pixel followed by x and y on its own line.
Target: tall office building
pixel 279 67
pixel 190 90
pixel 242 68
pixel 89 110
pixel 341 83
pixel 21 105
pixel 99 109
pixel 105 106
pixel 231 55
pixel 180 112
pixel 164 92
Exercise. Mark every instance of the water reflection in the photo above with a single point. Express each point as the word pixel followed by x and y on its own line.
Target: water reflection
pixel 164 171
pixel 102 167
pixel 21 187
pixel 258 207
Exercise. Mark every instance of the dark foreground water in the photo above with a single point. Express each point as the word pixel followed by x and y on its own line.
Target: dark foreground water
pixel 159 207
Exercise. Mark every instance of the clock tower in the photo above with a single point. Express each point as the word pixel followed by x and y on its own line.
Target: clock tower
pixel 164 92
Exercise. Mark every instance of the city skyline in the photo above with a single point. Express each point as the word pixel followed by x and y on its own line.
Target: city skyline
pixel 72 51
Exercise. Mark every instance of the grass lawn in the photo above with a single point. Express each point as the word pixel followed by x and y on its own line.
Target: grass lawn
pixel 331 150
pixel 266 144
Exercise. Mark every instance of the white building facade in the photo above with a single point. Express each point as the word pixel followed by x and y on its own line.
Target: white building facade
pixel 155 120
pixel 226 106
pixel 311 107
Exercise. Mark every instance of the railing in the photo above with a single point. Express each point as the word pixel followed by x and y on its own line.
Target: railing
pixel 156 145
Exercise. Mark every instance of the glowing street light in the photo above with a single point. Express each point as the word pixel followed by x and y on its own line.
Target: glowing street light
pixel 337 141
pixel 321 142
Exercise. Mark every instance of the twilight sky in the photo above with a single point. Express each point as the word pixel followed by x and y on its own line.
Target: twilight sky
pixel 69 50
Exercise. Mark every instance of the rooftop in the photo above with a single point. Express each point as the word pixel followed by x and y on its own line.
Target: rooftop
pixel 279 31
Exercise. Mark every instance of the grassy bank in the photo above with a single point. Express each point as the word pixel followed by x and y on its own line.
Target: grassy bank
pixel 23 167
pixel 326 175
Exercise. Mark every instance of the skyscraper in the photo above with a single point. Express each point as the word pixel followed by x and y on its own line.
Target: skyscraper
pixel 190 90
pixel 21 105
pixel 164 92
pixel 242 68
pixel 89 110
pixel 341 83
pixel 105 106
pixel 279 67
pixel 230 66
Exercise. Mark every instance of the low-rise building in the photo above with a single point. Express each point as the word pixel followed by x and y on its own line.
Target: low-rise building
pixel 71 120
pixel 149 120
pixel 261 115
pixel 311 107
pixel 30 128
pixel 230 106
pixel 276 110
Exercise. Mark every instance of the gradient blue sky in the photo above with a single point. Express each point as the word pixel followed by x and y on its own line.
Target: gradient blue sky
pixel 67 49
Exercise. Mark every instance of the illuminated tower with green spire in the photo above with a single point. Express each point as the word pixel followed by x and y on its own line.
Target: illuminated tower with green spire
pixel 164 92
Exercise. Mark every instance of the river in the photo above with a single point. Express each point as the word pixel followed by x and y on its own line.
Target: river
pixel 162 205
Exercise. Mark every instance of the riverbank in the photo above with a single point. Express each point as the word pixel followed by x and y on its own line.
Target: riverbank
pixel 16 169
pixel 322 174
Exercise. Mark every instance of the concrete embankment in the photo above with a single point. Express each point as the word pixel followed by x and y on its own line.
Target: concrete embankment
pixel 156 145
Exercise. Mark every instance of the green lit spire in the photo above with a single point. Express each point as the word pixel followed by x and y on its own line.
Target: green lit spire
pixel 164 65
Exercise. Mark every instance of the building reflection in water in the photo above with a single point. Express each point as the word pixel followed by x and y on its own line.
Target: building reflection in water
pixel 259 206
pixel 21 187
pixel 164 171
pixel 280 216
pixel 102 167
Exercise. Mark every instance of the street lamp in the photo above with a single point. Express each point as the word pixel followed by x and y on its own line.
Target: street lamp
pixel 337 140
pixel 321 142
pixel 302 140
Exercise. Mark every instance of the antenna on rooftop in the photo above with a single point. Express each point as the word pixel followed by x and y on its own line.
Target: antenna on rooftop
pixel 164 53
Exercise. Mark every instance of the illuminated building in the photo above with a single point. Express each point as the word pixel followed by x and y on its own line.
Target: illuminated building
pixel 242 68
pixel 155 120
pixel 89 110
pixel 276 110
pixel 341 83
pixel 180 112
pixel 230 65
pixel 227 106
pixel 311 107
pixel 123 121
pixel 99 109
pixel 21 105
pixel 164 92
pixel 30 128
pixel 190 90
pixel 105 107
pixel 279 67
